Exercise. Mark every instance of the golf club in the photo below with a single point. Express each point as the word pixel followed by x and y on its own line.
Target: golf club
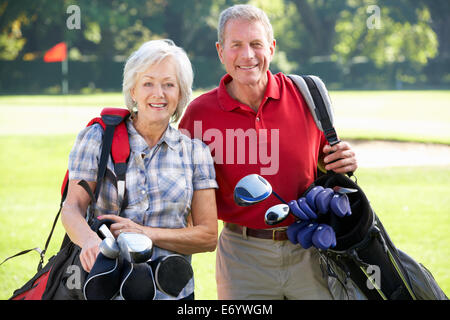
pixel 135 247
pixel 108 247
pixel 276 214
pixel 343 190
pixel 106 232
pixel 253 189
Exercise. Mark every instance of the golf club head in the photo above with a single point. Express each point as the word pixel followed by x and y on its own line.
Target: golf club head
pixel 251 189
pixel 135 247
pixel 104 230
pixel 276 214
pixel 342 190
pixel 109 248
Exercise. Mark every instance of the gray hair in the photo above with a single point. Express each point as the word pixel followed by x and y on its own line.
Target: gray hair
pixel 243 12
pixel 151 53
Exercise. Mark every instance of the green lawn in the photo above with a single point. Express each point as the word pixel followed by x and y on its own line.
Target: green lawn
pixel 412 202
pixel 422 116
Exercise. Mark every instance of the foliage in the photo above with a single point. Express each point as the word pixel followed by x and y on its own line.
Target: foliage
pixel 310 34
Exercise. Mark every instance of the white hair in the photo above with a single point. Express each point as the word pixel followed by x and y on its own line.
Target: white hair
pixel 245 12
pixel 151 53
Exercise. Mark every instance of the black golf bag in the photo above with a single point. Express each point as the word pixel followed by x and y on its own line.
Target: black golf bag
pixel 365 263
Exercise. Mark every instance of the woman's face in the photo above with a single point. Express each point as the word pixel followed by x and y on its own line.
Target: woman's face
pixel 157 92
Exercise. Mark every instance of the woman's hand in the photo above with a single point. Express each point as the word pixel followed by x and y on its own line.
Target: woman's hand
pixel 89 252
pixel 122 224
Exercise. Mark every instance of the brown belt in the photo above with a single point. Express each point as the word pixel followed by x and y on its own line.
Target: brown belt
pixel 273 234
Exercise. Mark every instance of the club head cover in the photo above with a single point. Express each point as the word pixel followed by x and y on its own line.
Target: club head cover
pixel 293 229
pixel 304 236
pixel 323 200
pixel 137 282
pixel 340 204
pixel 324 237
pixel 172 273
pixel 295 209
pixel 311 197
pixel 304 206
pixel 103 281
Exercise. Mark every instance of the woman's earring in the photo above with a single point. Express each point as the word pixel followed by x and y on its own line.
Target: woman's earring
pixel 135 108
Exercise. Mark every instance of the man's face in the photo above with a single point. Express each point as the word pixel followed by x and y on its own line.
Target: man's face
pixel 246 52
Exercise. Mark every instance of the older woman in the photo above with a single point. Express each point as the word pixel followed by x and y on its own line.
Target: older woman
pixel 169 176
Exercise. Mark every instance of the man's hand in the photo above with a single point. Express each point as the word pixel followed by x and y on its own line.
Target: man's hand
pixel 340 158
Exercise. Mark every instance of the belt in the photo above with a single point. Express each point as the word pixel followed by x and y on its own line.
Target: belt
pixel 272 234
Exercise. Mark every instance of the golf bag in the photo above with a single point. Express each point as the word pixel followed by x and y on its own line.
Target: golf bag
pixel 54 280
pixel 364 264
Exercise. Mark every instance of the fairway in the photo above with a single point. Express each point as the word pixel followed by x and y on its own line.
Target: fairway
pixel 422 116
pixel 412 202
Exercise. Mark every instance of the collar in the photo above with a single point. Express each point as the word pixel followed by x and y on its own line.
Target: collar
pixel 227 103
pixel 171 137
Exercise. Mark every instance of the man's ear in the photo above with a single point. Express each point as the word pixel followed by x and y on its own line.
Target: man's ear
pixel 272 48
pixel 219 51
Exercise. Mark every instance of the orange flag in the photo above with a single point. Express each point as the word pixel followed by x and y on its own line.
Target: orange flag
pixel 56 54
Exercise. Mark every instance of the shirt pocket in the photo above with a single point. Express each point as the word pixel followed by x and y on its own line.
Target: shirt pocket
pixel 172 185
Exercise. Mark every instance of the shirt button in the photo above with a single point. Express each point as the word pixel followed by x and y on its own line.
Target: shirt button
pixel 142 191
pixel 257 118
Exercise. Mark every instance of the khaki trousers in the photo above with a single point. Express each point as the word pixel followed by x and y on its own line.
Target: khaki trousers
pixel 260 269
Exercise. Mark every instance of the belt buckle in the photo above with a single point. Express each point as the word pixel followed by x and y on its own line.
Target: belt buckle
pixel 276 230
pixel 273 234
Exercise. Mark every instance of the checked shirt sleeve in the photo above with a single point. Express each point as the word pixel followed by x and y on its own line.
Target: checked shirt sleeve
pixel 85 154
pixel 204 176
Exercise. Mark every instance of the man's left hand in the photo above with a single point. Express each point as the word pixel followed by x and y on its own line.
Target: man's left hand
pixel 340 158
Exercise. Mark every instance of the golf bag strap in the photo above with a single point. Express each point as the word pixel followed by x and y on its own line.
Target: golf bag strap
pixel 316 96
pixel 37 249
pixel 312 89
pixel 114 141
pixel 113 122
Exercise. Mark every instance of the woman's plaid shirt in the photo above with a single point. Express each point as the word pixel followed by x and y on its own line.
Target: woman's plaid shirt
pixel 160 181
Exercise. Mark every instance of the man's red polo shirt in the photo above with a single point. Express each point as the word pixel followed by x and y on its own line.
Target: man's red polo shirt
pixel 279 142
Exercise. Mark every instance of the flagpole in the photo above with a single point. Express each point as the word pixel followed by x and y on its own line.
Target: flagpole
pixel 65 73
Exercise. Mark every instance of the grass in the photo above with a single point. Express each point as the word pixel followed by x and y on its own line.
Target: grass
pixel 412 203
pixel 421 116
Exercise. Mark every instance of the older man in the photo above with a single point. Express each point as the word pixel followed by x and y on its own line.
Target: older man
pixel 257 122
